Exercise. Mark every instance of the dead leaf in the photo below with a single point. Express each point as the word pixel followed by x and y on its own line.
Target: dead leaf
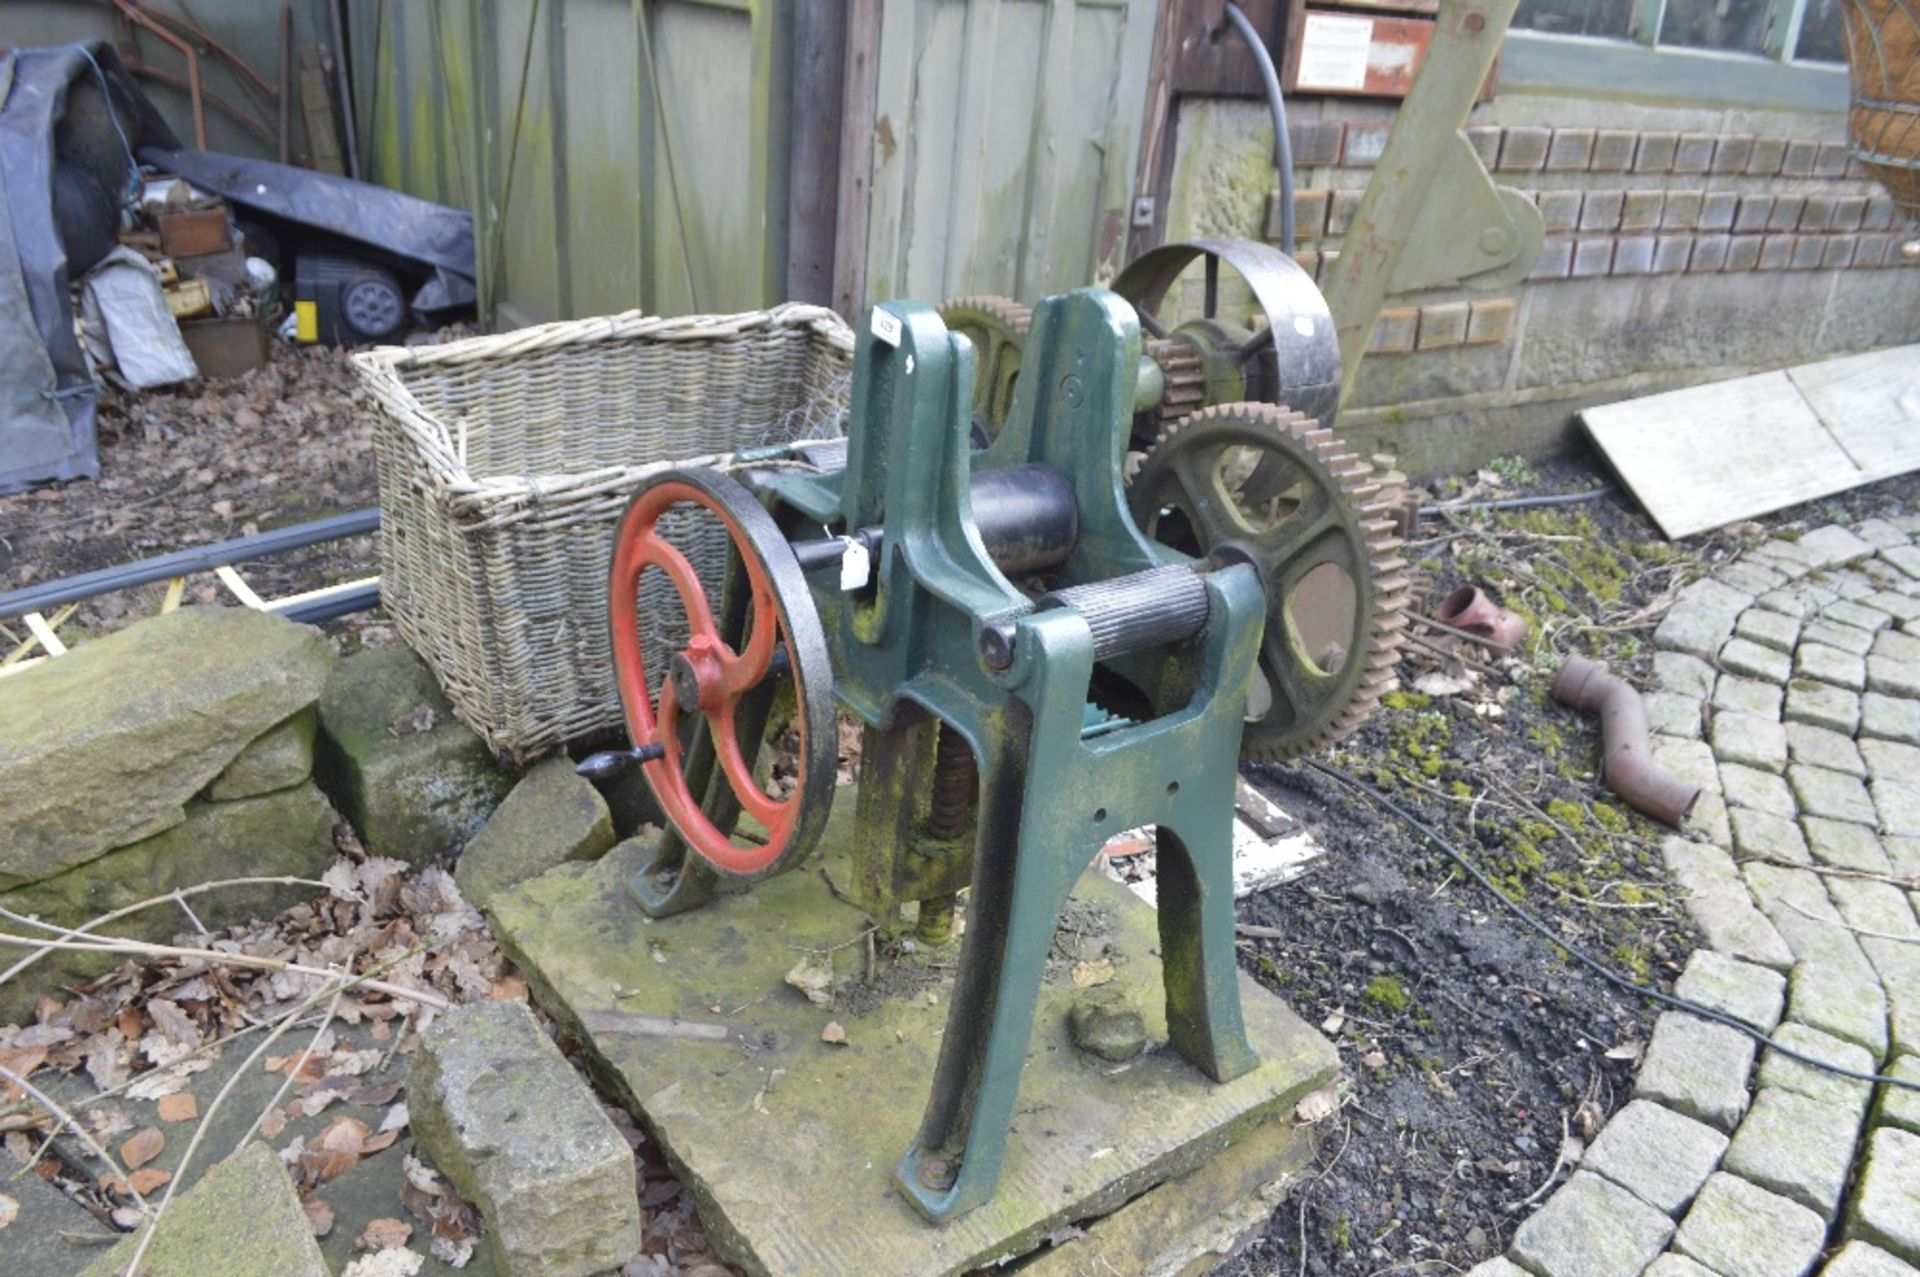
pixel 1374 1060
pixel 142 1147
pixel 273 1121
pixel 1334 1023
pixel 398 1262
pixel 9 1210
pixel 1088 974
pixel 508 989
pixel 1631 1049
pixel 813 976
pixel 451 1252
pixel 383 1234
pixel 178 1107
pixel 319 1214
pixel 146 1181
pixel 833 1034
pixel 1317 1106
pixel 343 1135
pixel 21 1062
pixel 378 1143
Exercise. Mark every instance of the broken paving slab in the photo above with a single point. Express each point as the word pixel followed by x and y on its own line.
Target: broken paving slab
pixel 244 1219
pixel 789 1144
pixel 519 1133
pixel 106 745
pixel 553 815
pixel 415 781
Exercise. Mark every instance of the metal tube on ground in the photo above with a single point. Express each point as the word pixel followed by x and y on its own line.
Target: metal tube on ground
pixel 1627 765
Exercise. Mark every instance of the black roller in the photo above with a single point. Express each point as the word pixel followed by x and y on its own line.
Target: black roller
pixel 1155 608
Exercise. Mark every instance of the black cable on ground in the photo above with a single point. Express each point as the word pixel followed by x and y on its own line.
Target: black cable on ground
pixel 1606 973
pixel 1522 503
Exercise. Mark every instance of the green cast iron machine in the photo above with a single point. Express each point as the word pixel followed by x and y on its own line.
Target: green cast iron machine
pixel 1048 633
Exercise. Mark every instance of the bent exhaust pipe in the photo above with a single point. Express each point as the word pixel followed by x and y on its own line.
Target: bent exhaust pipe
pixel 1627 755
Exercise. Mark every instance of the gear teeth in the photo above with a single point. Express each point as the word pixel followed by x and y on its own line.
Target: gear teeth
pixel 1386 589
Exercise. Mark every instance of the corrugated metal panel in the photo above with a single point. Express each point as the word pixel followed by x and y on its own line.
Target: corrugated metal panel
pixel 585 177
pixel 1005 136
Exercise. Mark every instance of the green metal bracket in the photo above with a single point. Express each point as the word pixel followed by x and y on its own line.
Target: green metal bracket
pixel 1432 214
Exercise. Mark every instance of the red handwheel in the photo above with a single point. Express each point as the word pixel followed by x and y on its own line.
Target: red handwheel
pixel 715 673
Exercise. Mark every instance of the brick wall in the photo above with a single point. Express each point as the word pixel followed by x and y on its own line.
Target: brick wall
pixel 1682 245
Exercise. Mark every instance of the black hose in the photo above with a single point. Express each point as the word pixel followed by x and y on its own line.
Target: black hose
pixel 1522 503
pixel 1606 973
pixel 1277 104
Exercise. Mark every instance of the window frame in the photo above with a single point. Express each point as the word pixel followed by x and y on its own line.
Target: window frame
pixel 1639 66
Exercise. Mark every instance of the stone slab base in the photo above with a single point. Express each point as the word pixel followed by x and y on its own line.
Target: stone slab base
pixel 789 1142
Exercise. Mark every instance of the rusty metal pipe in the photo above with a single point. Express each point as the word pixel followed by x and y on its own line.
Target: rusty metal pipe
pixel 1627 755
pixel 139 17
pixel 1472 610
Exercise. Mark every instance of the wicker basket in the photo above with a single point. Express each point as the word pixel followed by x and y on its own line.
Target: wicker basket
pixel 505 462
pixel 1883 67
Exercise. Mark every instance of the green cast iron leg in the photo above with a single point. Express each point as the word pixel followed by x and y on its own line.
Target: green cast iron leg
pixel 1196 948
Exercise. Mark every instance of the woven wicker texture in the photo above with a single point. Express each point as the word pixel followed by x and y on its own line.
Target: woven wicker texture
pixel 1883 66
pixel 506 461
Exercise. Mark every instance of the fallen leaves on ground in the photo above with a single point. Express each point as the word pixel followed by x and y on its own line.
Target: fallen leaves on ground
pixel 398 1262
pixel 142 1147
pixel 9 1210
pixel 382 1234
pixel 834 1034
pixel 813 976
pixel 178 1107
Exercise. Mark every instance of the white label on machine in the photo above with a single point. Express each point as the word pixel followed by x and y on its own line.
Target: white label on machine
pixel 886 326
pixel 1333 52
pixel 856 565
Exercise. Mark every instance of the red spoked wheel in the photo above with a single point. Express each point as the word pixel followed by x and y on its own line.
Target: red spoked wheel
pixel 772 633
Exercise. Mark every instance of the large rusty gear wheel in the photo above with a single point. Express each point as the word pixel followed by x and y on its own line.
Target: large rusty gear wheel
pixel 997 327
pixel 1266 481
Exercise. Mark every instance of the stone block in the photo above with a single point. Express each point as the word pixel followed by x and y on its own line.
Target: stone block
pixel 1687 675
pixel 1823 705
pixel 1751 994
pixel 1881 534
pixel 1309 215
pixel 1591 258
pixel 1681 210
pixel 1750 787
pixel 1658 1155
pixel 105 746
pixel 1743 253
pixel 1895 718
pixel 1671 254
pixel 1613 151
pixel 1833 795
pixel 1898 1106
pixel 1697 1068
pixel 1798 161
pixel 1906 558
pixel 1835 544
pixel 550 817
pixel 1785 214
pixel 1733 694
pixel 1754 212
pixel 1677 1265
pixel 1690 760
pixel 1498 1266
pixel 1778 1070
pixel 1570 151
pixel 1898 646
pixel 1524 149
pixel 505 1117
pixel 1340 214
pixel 1857 1259
pixel 1832 159
pixel 1744 656
pixel 1672 714
pixel 1840 1001
pixel 1640 210
pixel 1828 632
pixel 1893 677
pixel 1872 251
pixel 1443 325
pixel 1824 747
pixel 1838 252
pixel 1797 1147
pixel 1742 1230
pixel 1845 844
pixel 1751 577
pixel 1560 210
pixel 1486 143
pixel 1901 607
pixel 1776 252
pixel 1731 154
pixel 1763 835
pixel 1709 255
pixel 1830 665
pixel 1808 252
pixel 1590 1228
pixel 1395 330
pixel 1694 154
pixel 1316 143
pixel 1769 628
pixel 1654 154
pixel 279 758
pixel 1556 259
pixel 1750 740
pixel 1817 214
pixel 414 780
pixel 1718 210
pixel 1766 156
pixel 1719 904
pixel 243 1216
pixel 1878 214
pixel 1633 255
pixel 1708 820
pixel 1491 321
pixel 288 832
pixel 1885 1210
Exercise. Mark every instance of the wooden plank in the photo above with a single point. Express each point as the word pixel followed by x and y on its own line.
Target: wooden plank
pixel 1871 405
pixel 814 146
pixel 1705 456
pixel 855 198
